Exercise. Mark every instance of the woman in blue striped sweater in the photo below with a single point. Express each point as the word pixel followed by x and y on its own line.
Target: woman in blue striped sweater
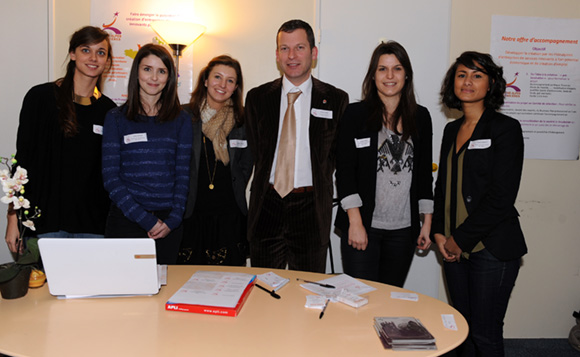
pixel 146 155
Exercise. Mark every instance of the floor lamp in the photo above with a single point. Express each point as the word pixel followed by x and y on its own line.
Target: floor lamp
pixel 178 35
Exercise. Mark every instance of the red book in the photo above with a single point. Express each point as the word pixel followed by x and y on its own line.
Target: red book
pixel 212 310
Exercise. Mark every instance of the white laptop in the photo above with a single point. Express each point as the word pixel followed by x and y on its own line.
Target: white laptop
pixel 100 267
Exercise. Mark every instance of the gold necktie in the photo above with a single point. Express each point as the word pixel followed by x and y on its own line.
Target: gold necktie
pixel 284 177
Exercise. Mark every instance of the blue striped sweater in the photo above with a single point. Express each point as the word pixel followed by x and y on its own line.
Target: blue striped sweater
pixel 146 166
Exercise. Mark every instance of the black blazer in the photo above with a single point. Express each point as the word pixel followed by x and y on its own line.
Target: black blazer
pixel 262 121
pixel 356 168
pixel 241 165
pixel 492 169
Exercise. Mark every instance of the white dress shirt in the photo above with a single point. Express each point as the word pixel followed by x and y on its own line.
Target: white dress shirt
pixel 302 163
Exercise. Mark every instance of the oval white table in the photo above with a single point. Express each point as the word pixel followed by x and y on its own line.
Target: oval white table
pixel 41 325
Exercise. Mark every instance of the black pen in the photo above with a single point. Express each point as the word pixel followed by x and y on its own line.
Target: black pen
pixel 319 284
pixel 323 309
pixel 271 292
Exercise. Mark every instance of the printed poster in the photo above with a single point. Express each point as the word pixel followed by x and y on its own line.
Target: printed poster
pixel 127 23
pixel 540 59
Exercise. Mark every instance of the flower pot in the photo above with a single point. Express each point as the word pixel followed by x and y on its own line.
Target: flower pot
pixel 18 286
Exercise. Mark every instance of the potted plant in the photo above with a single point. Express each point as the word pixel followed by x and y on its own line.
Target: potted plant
pixel 15 277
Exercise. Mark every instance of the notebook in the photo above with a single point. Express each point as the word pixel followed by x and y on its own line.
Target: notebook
pixel 100 267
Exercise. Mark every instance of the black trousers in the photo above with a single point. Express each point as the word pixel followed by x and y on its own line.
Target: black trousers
pixel 386 259
pixel 287 233
pixel 119 226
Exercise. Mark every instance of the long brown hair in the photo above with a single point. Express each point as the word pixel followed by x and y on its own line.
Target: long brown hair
pixel 65 88
pixel 407 107
pixel 199 94
pixel 168 101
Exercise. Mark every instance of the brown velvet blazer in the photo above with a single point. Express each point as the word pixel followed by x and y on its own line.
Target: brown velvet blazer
pixel 262 121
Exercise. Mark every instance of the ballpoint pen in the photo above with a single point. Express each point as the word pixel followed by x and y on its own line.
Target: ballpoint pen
pixel 271 292
pixel 323 309
pixel 319 284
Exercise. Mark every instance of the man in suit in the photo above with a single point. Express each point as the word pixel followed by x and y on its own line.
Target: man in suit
pixel 294 147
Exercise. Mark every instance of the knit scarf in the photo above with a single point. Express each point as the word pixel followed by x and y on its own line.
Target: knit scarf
pixel 217 125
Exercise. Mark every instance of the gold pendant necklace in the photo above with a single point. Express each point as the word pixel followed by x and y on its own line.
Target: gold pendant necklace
pixel 211 176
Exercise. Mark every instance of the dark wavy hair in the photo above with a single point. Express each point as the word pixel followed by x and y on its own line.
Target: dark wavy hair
pixel 405 112
pixel 65 89
pixel 291 25
pixel 168 101
pixel 200 92
pixel 476 61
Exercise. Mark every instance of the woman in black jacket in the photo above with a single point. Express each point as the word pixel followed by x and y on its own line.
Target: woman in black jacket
pixel 475 223
pixel 383 172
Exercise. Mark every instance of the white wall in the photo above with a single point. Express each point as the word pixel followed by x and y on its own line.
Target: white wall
pixel 25 62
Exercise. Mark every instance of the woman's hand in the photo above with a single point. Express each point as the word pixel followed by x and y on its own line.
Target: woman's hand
pixel 12 233
pixel 424 241
pixel 357 236
pixel 440 241
pixel 159 230
pixel 452 248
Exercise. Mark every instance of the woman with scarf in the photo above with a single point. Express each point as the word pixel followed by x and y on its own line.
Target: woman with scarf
pixel 221 165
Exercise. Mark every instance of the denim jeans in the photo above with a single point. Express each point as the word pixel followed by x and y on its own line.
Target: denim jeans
pixel 480 289
pixel 386 259
pixel 64 234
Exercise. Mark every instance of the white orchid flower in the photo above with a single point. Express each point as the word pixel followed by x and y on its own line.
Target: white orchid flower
pixel 4 175
pixel 20 202
pixel 29 224
pixel 21 175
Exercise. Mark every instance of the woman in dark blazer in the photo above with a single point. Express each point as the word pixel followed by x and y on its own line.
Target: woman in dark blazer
pixel 383 172
pixel 215 217
pixel 475 223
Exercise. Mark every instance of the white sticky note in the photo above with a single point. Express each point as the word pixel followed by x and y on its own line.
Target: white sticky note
pixel 449 321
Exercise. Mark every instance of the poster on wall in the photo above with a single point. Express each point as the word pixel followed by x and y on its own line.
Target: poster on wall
pixel 128 25
pixel 540 59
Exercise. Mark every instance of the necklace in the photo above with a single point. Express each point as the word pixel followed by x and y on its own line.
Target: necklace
pixel 87 100
pixel 212 176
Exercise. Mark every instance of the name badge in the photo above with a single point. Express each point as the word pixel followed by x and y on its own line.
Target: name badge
pixel 479 144
pixel 98 129
pixel 135 138
pixel 235 143
pixel 321 113
pixel 362 143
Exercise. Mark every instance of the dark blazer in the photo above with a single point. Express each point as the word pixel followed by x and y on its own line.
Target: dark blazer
pixel 491 179
pixel 356 168
pixel 262 120
pixel 241 164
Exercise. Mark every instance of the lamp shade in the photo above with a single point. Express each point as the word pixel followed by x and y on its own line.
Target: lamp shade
pixel 178 32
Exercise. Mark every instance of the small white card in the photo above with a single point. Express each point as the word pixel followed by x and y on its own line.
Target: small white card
pixel 274 280
pixel 321 113
pixel 135 138
pixel 479 144
pixel 449 321
pixel 404 296
pixel 315 301
pixel 98 129
pixel 362 143
pixel 236 143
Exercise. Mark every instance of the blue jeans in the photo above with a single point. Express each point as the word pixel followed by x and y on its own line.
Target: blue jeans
pixel 386 259
pixel 480 289
pixel 64 234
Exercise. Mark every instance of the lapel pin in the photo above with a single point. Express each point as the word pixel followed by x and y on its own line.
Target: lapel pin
pixel 324 101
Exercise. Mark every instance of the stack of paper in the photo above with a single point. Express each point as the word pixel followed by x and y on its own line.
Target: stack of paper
pixel 404 334
pixel 213 292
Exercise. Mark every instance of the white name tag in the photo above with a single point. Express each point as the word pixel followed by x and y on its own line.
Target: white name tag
pixel 479 144
pixel 135 138
pixel 98 129
pixel 235 143
pixel 362 143
pixel 321 113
